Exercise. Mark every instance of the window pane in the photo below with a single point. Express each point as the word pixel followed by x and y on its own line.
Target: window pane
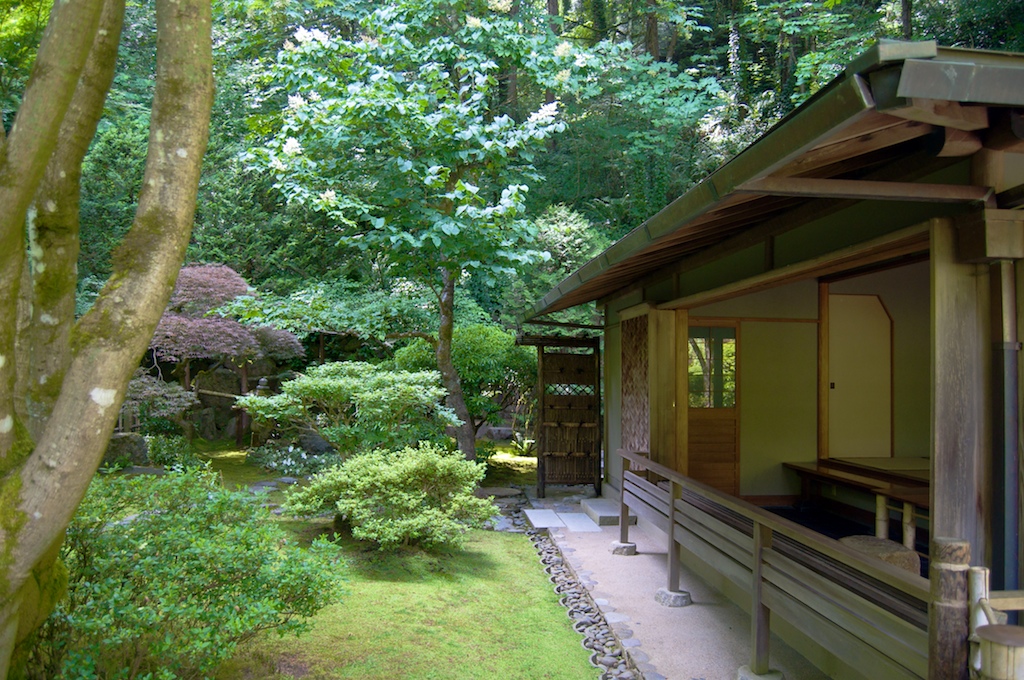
pixel 712 367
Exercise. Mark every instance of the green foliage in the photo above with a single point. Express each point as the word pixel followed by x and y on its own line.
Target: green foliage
pixel 355 405
pixel 572 241
pixel 494 370
pixel 168 575
pixel 343 307
pixel 422 495
pixel 172 451
pixel 290 459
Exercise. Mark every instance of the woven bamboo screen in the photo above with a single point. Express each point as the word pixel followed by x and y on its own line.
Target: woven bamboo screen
pixel 571 417
pixel 636 407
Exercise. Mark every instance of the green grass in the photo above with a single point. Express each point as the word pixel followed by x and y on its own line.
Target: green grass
pixel 488 611
pixel 505 468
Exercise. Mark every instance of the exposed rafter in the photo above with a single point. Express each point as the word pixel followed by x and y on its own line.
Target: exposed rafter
pixel 867 190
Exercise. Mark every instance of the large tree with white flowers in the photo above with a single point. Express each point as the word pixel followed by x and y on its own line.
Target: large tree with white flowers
pixel 396 135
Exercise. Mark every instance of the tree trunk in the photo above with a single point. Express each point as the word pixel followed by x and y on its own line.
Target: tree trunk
pixel 465 434
pixel 44 477
pixel 906 19
pixel 651 36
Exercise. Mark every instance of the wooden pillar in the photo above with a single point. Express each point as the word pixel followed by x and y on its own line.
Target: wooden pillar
pixel 760 615
pixel 961 395
pixel 662 356
pixel 673 549
pixel 948 611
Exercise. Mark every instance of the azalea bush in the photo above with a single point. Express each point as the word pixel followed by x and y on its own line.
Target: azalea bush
pixel 168 575
pixel 356 406
pixel 419 495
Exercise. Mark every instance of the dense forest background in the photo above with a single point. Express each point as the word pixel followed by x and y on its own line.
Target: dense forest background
pixel 651 95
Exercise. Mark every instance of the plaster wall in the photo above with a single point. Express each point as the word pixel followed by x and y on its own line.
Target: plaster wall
pixel 905 292
pixel 778 369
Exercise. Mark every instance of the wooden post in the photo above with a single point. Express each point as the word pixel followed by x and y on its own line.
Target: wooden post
pixel 541 440
pixel 760 615
pixel 948 612
pixel 623 510
pixel 673 550
pixel 1002 652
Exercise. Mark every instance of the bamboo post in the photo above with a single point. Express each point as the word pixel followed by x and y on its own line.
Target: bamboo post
pixel 977 591
pixel 1002 652
pixel 881 516
pixel 948 611
pixel 909 526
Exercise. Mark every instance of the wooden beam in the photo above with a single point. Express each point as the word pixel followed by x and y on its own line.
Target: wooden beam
pixel 944 113
pixel 552 341
pixel 897 244
pixel 811 187
pixel 1007 131
pixel 959 143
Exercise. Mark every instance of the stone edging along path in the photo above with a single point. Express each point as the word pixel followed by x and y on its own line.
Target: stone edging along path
pixel 607 653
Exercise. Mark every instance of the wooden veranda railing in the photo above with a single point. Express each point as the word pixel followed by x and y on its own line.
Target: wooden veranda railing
pixel 864 611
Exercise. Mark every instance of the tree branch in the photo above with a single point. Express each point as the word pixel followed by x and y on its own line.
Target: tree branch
pixel 43 348
pixel 30 143
pixel 414 334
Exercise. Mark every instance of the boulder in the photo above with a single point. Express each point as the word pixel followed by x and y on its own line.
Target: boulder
pixel 126 446
pixel 313 444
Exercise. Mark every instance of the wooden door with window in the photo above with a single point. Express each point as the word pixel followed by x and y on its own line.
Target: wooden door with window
pixel 713 439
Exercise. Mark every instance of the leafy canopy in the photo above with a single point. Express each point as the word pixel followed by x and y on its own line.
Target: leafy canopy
pixel 394 134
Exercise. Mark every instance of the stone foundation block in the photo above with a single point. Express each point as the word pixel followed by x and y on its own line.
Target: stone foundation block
pixel 672 598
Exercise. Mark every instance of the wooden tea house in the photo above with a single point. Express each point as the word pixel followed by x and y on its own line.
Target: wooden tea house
pixel 822 339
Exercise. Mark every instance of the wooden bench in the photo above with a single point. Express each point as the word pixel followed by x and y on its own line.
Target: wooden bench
pixel 909 491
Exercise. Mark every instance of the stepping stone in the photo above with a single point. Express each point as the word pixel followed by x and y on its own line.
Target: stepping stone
pixel 496 491
pixel 543 519
pixel 604 511
pixel 578 522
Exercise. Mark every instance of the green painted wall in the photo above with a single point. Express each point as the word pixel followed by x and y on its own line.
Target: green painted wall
pixel 778 404
pixel 778 374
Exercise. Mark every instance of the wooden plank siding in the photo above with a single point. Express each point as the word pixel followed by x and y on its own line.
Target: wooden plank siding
pixel 866 613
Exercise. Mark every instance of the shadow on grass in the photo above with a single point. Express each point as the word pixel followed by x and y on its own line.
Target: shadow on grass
pixel 406 564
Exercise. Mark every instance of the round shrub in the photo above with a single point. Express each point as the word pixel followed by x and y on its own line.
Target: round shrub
pixel 167 575
pixel 416 495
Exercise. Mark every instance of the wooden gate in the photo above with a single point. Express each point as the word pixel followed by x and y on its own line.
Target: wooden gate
pixel 569 411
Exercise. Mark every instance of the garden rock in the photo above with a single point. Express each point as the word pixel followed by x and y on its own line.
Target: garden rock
pixel 206 423
pixel 126 446
pixel 313 444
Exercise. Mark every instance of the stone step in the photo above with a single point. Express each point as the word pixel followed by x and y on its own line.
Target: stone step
pixel 604 511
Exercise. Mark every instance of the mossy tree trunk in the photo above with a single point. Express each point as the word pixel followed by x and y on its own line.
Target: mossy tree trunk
pixel 61 382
